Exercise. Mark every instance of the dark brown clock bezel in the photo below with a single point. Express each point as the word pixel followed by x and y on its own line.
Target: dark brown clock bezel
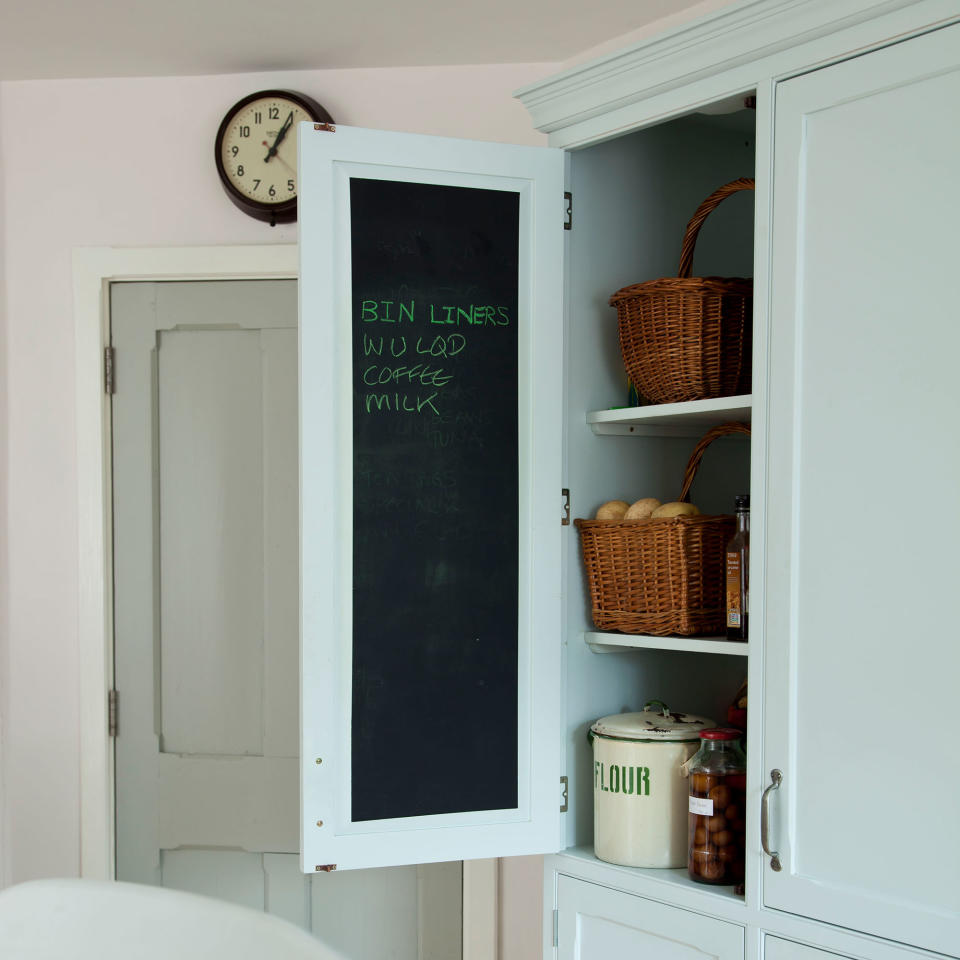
pixel 272 213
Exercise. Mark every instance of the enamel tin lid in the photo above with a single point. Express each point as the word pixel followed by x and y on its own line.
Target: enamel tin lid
pixel 655 722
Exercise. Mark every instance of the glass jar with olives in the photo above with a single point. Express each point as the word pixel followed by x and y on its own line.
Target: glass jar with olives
pixel 716 827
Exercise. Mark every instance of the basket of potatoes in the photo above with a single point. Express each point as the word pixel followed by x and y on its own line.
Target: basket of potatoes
pixel 657 568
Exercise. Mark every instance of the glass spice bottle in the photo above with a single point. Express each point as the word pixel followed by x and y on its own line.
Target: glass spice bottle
pixel 737 573
pixel 716 821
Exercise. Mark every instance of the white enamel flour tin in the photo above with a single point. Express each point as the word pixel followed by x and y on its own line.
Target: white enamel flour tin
pixel 640 793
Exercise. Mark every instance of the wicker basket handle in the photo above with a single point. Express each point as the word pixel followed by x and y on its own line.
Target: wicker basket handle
pixel 696 221
pixel 723 430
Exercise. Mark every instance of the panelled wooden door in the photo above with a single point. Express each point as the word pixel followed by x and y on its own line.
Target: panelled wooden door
pixel 595 922
pixel 861 658
pixel 206 623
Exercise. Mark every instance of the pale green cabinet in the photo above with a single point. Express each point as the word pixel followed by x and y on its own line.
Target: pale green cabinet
pixel 852 660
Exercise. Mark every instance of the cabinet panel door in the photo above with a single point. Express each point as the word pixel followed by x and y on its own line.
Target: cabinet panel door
pixel 430 443
pixel 861 655
pixel 594 921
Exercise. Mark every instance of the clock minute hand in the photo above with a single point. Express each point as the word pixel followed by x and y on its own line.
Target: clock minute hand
pixel 281 133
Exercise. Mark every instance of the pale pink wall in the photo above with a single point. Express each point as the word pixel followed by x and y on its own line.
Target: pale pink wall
pixel 4 673
pixel 521 908
pixel 129 163
pixel 125 163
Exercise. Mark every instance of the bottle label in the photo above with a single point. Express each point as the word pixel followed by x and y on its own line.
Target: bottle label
pixel 733 590
pixel 702 806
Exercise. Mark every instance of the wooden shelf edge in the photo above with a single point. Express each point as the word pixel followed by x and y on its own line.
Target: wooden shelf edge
pixel 621 642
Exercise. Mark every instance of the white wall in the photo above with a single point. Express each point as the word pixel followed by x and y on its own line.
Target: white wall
pixel 125 163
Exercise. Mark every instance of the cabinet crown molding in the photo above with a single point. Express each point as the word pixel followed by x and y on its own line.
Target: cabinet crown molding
pixel 735 36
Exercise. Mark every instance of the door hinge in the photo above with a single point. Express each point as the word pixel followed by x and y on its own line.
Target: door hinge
pixel 112 697
pixel 556 928
pixel 564 794
pixel 565 519
pixel 109 357
pixel 568 205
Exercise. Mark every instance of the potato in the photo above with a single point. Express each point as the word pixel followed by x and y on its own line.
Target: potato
pixel 701 783
pixel 612 510
pixel 641 509
pixel 675 509
pixel 711 869
pixel 720 795
pixel 728 853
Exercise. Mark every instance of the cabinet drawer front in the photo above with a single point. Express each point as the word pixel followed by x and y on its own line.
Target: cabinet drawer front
pixel 776 949
pixel 594 921
pixel 863 523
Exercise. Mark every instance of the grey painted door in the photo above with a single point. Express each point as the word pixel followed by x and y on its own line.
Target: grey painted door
pixel 206 633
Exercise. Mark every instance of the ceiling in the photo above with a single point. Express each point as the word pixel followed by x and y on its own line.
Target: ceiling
pixel 125 38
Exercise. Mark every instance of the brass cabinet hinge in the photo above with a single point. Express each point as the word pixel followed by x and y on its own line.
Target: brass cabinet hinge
pixel 568 206
pixel 565 519
pixel 564 794
pixel 109 357
pixel 112 698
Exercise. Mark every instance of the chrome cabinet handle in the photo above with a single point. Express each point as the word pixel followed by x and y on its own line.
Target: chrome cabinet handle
pixel 776 778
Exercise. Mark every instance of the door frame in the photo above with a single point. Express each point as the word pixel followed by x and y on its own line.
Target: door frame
pixel 94 269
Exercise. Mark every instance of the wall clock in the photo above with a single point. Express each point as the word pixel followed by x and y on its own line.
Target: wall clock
pixel 256 152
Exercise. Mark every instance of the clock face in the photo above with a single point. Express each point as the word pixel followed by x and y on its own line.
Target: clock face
pixel 256 152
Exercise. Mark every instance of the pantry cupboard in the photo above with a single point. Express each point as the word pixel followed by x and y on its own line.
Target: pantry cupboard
pixel 845 114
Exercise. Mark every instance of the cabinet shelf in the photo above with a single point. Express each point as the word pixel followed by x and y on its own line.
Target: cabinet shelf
pixel 619 642
pixel 674 885
pixel 689 419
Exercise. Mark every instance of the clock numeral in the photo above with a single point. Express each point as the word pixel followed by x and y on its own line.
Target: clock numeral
pixel 291 186
pixel 258 117
pixel 240 170
pixel 274 113
pixel 244 131
pixel 272 191
pixel 256 183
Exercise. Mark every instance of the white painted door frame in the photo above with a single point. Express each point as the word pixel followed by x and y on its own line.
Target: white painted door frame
pixel 94 269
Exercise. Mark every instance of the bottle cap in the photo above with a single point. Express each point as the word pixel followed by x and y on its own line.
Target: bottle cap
pixel 721 733
pixel 743 501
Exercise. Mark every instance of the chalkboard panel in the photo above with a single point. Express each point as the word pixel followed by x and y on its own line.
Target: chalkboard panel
pixel 435 499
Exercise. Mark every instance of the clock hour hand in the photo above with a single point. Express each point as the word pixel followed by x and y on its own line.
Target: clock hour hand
pixel 280 160
pixel 281 133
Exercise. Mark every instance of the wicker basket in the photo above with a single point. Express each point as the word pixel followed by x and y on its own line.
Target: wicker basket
pixel 662 576
pixel 688 338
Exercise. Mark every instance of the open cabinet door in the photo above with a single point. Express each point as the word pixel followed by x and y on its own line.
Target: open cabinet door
pixel 430 471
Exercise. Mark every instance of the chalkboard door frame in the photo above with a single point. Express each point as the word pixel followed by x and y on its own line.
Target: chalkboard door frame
pixel 328 161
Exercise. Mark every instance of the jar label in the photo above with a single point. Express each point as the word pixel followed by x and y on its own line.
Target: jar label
pixel 619 778
pixel 702 806
pixel 733 590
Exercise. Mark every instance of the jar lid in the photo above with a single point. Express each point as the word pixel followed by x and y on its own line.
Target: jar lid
pixel 722 733
pixel 647 724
